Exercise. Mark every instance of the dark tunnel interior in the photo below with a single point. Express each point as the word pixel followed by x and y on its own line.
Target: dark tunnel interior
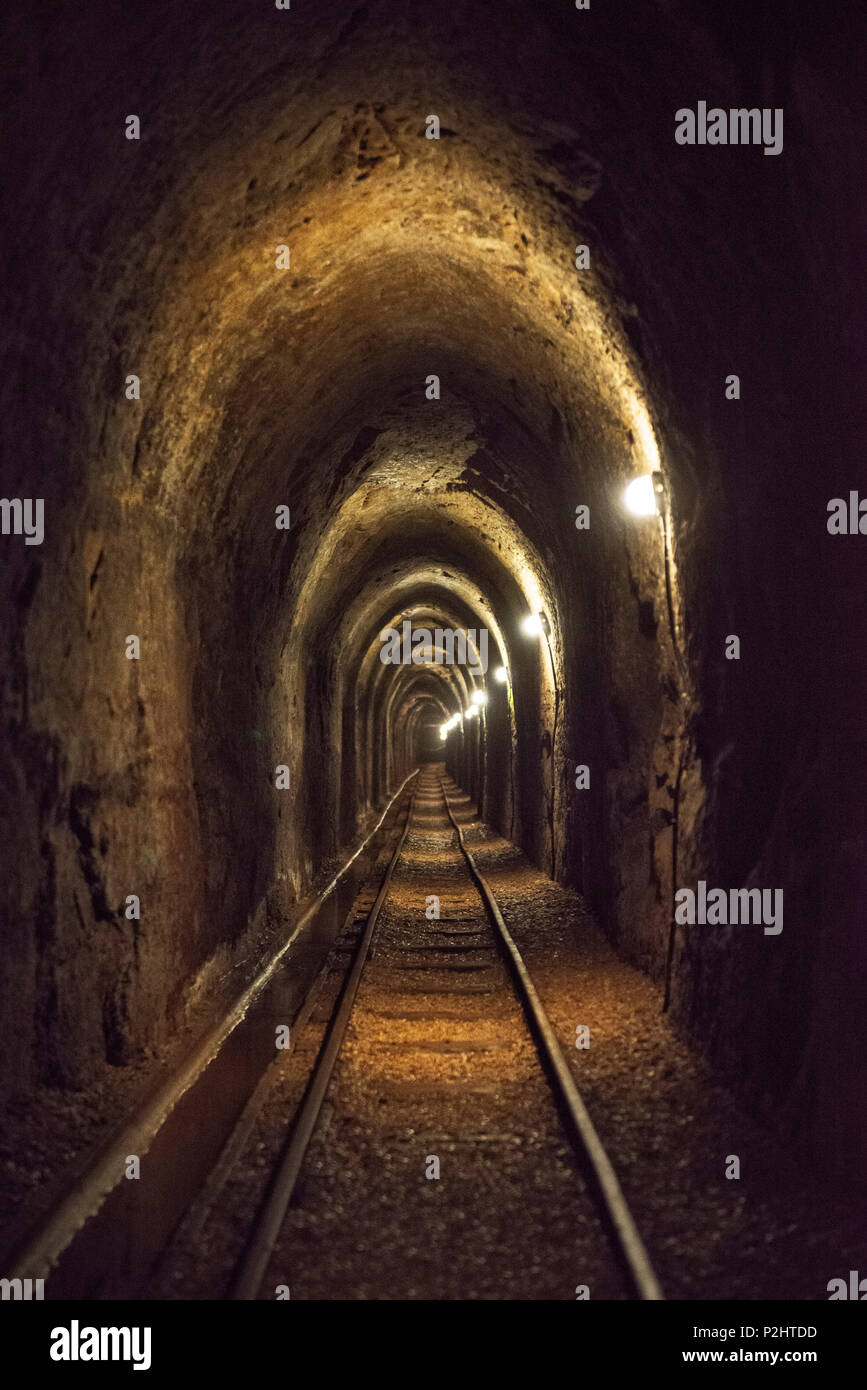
pixel 385 319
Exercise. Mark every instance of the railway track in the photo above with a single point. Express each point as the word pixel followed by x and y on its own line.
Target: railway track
pixel 437 1148
pixel 390 1086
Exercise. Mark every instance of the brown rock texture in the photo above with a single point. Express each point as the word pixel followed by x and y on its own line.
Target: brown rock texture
pixel 307 387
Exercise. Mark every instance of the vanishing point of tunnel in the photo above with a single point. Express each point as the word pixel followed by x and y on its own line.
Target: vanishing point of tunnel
pixel 432 562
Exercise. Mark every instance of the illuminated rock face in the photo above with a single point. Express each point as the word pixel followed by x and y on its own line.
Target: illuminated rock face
pixel 285 260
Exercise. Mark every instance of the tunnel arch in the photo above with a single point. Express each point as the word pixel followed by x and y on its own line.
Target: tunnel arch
pixel 262 387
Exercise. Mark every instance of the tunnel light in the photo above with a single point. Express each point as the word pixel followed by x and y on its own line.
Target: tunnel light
pixel 479 697
pixel 501 675
pixel 472 712
pixel 535 625
pixel 640 497
pixel 444 733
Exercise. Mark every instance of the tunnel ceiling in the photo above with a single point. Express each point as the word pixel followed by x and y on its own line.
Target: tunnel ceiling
pixel 306 386
pixel 266 385
pixel 408 256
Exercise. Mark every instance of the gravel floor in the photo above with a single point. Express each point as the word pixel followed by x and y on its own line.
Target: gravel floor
pixel 778 1232
pixel 438 1064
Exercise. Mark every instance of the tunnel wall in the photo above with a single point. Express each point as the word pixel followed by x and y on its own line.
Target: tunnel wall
pixel 157 776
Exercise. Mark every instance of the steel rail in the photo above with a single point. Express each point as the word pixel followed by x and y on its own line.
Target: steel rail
pixel 582 1130
pixel 250 1271
pixel 56 1229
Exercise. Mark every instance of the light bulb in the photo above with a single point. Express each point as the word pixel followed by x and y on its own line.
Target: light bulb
pixel 640 496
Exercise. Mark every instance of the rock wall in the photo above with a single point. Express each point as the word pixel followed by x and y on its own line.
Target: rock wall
pixel 306 385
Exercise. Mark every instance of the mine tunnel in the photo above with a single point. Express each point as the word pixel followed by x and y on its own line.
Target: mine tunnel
pixel 436 582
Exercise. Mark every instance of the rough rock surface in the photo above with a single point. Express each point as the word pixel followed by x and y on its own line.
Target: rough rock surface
pixel 305 387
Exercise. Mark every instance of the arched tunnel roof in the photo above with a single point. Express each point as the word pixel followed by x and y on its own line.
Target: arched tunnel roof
pixel 446 357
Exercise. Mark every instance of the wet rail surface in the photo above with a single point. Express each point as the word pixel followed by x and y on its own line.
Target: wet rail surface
pixel 437 1158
